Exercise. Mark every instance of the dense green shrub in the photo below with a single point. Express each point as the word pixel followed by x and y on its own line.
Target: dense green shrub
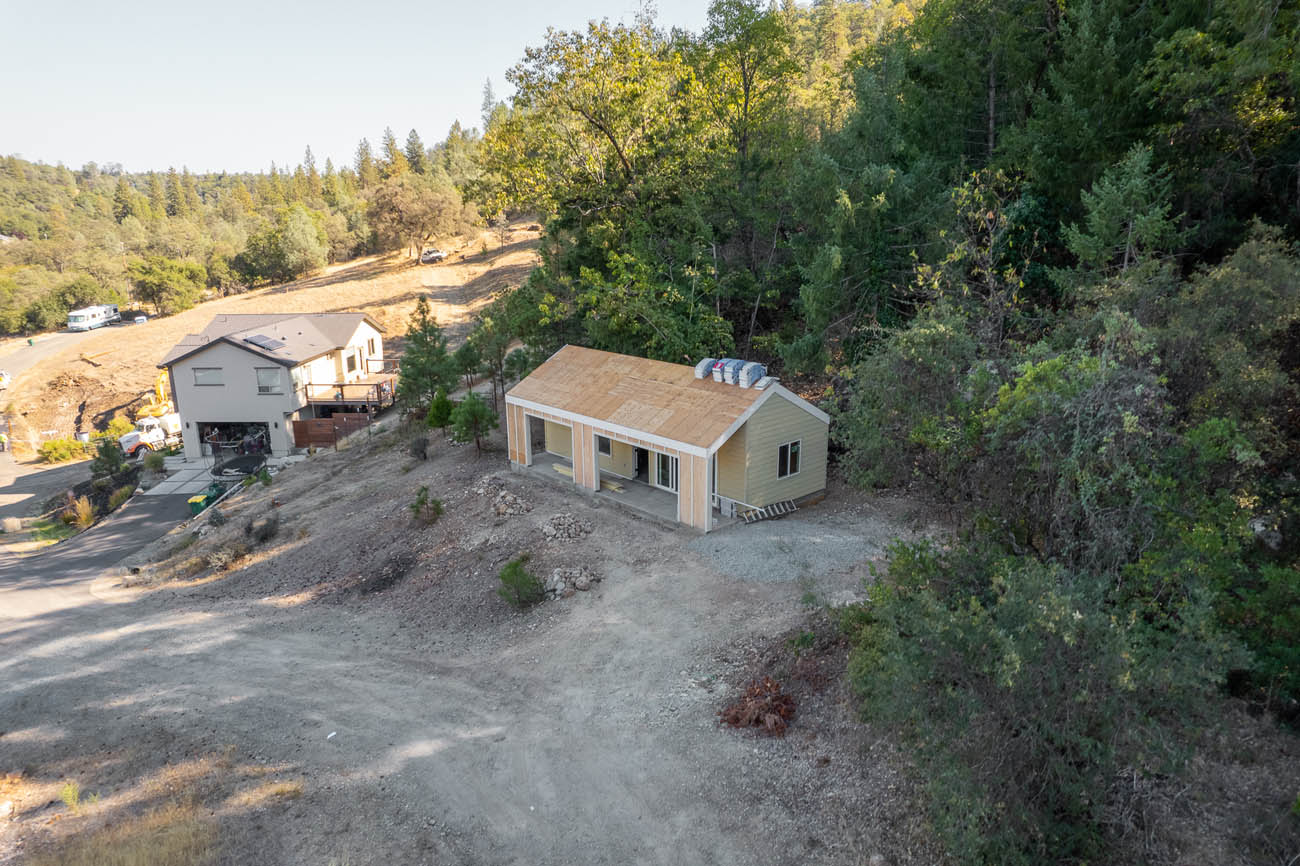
pixel 518 586
pixel 440 410
pixel 1024 691
pixel 154 461
pixel 62 450
pixel 109 459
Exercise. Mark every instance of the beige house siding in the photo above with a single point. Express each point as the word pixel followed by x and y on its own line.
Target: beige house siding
pixel 731 466
pixel 621 460
pixel 777 422
pixel 235 399
pixel 559 439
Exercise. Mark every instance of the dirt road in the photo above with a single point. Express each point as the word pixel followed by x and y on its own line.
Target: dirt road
pixel 318 716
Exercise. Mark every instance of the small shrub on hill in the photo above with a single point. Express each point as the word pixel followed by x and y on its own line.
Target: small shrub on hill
pixel 109 459
pixel 763 706
pixel 424 509
pixel 262 529
pixel 519 587
pixel 154 461
pixel 78 512
pixel 120 496
pixel 419 447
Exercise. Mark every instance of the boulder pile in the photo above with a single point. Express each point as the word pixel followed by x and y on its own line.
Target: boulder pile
pixel 564 582
pixel 488 485
pixel 565 527
pixel 507 504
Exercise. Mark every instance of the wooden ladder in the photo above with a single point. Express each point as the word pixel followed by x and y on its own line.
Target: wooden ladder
pixel 776 509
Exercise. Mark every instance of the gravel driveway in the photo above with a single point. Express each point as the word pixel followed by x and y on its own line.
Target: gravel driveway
pixel 428 723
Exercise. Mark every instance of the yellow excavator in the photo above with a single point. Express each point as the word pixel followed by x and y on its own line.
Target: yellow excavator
pixel 159 402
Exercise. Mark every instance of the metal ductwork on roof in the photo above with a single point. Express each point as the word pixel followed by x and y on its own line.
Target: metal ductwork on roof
pixel 733 371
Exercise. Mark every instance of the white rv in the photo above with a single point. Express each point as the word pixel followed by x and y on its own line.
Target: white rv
pixel 93 317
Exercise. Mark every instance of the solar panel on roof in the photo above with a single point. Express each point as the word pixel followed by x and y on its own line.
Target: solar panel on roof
pixel 265 342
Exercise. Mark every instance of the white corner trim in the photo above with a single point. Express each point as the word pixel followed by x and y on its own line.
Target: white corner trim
pixel 618 429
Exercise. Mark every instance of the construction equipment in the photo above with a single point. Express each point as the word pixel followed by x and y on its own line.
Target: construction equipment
pixel 159 402
pixel 151 433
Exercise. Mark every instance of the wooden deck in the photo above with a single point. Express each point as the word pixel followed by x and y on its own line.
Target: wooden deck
pixel 377 391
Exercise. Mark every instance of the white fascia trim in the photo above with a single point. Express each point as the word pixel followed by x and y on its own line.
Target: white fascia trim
pixel 774 388
pixel 693 450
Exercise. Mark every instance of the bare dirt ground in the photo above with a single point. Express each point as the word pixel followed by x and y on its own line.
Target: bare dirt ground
pixel 82 380
pixel 354 690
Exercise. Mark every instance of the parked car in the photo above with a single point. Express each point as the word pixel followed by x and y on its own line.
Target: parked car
pixel 140 320
pixel 430 257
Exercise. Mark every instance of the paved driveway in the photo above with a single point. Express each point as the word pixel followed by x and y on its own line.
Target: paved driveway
pixel 44 582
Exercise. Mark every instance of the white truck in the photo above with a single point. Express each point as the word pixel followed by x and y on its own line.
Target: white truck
pixel 151 433
pixel 93 317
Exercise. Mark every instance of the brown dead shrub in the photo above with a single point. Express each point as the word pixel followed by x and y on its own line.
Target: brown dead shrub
pixel 763 706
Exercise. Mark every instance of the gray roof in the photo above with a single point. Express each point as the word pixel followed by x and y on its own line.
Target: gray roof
pixel 303 336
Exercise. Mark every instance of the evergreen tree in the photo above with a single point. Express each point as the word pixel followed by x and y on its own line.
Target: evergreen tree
pixel 367 171
pixel 394 162
pixel 122 200
pixel 471 420
pixel 416 156
pixel 426 366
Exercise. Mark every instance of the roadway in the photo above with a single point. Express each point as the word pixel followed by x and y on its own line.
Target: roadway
pixel 61 577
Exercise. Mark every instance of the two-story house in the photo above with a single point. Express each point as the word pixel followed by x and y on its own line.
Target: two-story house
pixel 240 384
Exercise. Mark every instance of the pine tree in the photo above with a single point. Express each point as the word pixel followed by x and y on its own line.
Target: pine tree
pixel 416 157
pixel 176 202
pixel 426 366
pixel 490 104
pixel 313 176
pixel 367 171
pixel 157 196
pixel 122 200
pixel 188 192
pixel 394 161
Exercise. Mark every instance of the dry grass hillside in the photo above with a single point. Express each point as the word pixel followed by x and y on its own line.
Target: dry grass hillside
pixel 107 371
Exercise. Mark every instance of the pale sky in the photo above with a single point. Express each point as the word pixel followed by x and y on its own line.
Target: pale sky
pixel 235 84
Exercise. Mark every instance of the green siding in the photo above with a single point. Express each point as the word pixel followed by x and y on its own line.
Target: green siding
pixel 777 422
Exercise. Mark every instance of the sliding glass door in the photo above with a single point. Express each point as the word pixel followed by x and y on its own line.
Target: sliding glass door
pixel 665 475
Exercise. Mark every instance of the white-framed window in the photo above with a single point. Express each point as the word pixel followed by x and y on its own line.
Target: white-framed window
pixel 269 380
pixel 208 376
pixel 602 445
pixel 352 363
pixel 787 459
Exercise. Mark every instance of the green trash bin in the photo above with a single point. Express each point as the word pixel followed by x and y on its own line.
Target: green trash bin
pixel 198 503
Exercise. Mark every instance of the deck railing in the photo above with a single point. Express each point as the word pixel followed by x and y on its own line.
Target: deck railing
pixel 380 394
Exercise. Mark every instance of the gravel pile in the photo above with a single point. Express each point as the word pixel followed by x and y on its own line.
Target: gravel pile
pixel 564 582
pixel 565 527
pixel 488 485
pixel 507 504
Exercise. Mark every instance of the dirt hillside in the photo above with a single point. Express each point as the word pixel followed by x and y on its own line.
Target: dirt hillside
pixel 99 374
